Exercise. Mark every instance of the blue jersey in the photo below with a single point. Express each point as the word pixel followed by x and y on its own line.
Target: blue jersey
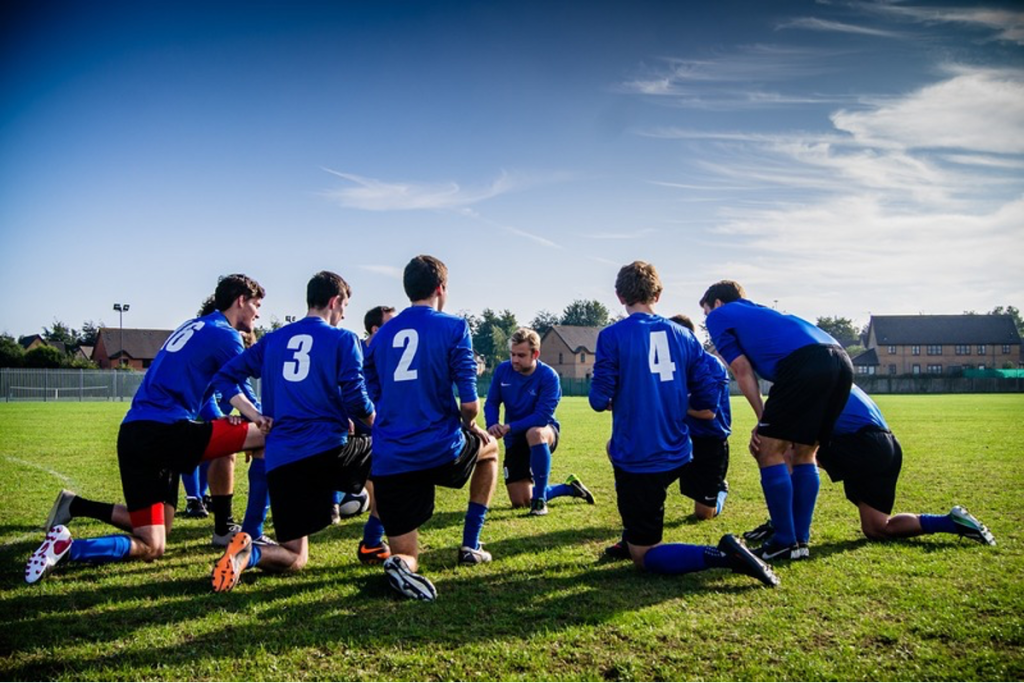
pixel 860 411
pixel 362 429
pixel 312 385
pixel 761 334
pixel 721 426
pixel 217 407
pixel 649 370
pixel 530 400
pixel 176 384
pixel 414 363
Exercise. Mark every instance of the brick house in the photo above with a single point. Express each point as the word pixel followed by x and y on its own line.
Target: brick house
pixel 140 347
pixel 569 349
pixel 938 344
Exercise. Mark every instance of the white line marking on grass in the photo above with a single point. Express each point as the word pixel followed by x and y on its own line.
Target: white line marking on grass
pixel 53 473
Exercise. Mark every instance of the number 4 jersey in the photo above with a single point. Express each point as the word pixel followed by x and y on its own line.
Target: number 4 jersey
pixel 649 370
pixel 176 384
pixel 312 384
pixel 415 363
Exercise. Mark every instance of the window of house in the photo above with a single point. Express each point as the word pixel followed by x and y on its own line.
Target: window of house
pixel 981 366
pixel 982 349
pixel 934 349
pixel 935 369
pixel 968 366
pixel 892 369
pixel 862 369
pixel 872 369
pixel 559 359
pixel 1006 349
pixel 917 369
pixel 583 357
pixel 963 349
pixel 915 350
pixel 892 350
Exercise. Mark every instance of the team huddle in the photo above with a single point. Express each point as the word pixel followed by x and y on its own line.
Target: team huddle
pixel 383 422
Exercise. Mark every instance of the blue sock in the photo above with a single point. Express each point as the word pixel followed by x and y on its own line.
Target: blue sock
pixel 540 466
pixel 190 480
pixel 675 558
pixel 338 495
pixel 102 549
pixel 806 482
pixel 720 503
pixel 937 524
pixel 259 499
pixel 474 524
pixel 778 494
pixel 373 532
pixel 558 491
pixel 204 484
pixel 254 557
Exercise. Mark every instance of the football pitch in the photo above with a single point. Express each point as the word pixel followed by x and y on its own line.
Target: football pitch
pixel 548 607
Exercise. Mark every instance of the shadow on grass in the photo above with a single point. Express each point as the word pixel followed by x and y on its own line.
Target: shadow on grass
pixel 276 614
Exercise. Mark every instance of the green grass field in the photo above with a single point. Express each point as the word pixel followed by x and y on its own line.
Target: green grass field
pixel 547 607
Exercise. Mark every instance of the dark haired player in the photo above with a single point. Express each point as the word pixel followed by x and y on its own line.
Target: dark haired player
pixel 530 391
pixel 422 438
pixel 313 385
pixel 867 458
pixel 812 376
pixel 647 371
pixel 160 438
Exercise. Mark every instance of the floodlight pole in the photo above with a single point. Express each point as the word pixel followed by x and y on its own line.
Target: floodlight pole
pixel 121 310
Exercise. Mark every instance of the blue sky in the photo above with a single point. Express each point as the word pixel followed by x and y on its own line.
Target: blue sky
pixel 838 158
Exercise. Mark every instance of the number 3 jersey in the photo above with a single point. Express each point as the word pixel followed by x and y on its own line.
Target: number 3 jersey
pixel 312 384
pixel 649 370
pixel 175 385
pixel 415 363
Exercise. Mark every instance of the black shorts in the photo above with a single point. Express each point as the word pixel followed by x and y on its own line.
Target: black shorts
pixel 302 492
pixel 704 476
pixel 151 455
pixel 810 391
pixel 868 463
pixel 517 457
pixel 641 500
pixel 406 501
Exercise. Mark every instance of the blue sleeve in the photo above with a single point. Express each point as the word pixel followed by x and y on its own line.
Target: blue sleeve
pixel 701 382
pixel 723 337
pixel 463 365
pixel 351 380
pixel 210 410
pixel 251 394
pixel 493 405
pixel 370 373
pixel 229 379
pixel 606 370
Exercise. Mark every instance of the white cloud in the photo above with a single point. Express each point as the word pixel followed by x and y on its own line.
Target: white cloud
pixel 387 271
pixel 370 194
pixel 814 24
pixel 980 110
pixel 1006 24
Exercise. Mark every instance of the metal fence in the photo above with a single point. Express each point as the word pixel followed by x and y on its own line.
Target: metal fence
pixel 23 384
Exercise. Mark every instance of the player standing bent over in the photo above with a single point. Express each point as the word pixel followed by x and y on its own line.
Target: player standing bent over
pixel 811 376
pixel 160 438
pixel 646 371
pixel 530 391
pixel 313 383
pixel 867 458
pixel 421 437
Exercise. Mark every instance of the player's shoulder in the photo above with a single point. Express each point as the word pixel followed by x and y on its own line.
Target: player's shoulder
pixel 546 371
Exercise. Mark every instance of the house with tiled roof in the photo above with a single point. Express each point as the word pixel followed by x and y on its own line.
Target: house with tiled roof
pixel 132 347
pixel 939 344
pixel 569 349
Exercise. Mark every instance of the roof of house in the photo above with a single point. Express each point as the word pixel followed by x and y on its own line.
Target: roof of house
pixel 944 329
pixel 138 344
pixel 869 357
pixel 27 340
pixel 576 337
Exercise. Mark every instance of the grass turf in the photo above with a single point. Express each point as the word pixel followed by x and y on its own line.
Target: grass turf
pixel 933 607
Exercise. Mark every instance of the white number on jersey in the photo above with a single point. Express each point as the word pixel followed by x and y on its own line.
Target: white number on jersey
pixel 177 341
pixel 410 340
pixel 298 369
pixel 659 358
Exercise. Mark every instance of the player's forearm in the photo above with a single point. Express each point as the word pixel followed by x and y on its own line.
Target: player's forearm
pixel 469 412
pixel 245 407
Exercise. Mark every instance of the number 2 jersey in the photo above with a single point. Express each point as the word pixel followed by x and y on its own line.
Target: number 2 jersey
pixel 312 384
pixel 176 384
pixel 415 362
pixel 650 370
